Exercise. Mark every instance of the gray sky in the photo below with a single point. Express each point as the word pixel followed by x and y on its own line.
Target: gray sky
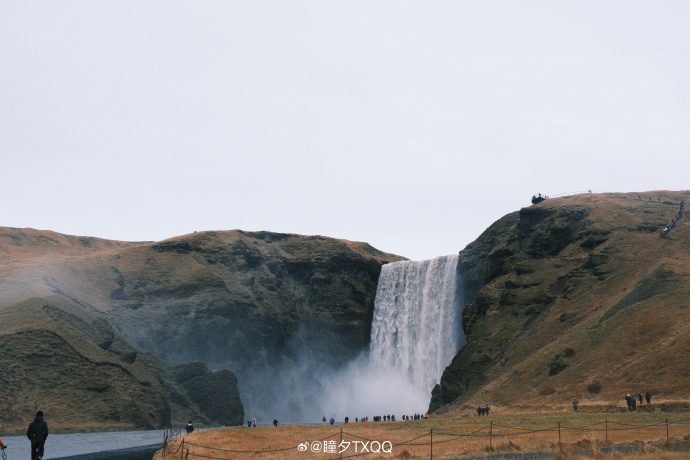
pixel 409 125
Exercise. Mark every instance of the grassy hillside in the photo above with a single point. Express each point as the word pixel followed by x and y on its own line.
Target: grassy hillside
pixel 49 361
pixel 255 303
pixel 576 297
pixel 120 334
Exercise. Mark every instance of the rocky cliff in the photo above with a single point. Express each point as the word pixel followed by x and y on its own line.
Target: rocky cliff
pixel 575 297
pixel 84 375
pixel 261 305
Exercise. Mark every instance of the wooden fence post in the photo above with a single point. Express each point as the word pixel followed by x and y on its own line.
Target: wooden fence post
pixel 607 430
pixel 431 444
pixel 491 435
pixel 667 431
pixel 559 434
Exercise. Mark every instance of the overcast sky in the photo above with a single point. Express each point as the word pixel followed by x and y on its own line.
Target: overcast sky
pixel 409 125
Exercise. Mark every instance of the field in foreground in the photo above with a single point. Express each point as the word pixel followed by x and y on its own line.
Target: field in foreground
pixel 652 435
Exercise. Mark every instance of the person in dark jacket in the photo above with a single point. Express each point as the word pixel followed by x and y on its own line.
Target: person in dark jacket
pixel 189 427
pixel 627 401
pixel 37 434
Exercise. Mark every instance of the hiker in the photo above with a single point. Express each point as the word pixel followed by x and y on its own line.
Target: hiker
pixel 323 420
pixel 575 403
pixel 332 421
pixel 632 402
pixel 275 422
pixel 648 397
pixel 640 398
pixel 37 434
pixel 189 427
pixel 254 422
pixel 347 419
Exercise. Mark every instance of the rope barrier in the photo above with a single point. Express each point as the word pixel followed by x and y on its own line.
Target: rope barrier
pixel 407 443
pixel 524 429
pixel 243 451
pixel 177 450
pixel 458 436
pixel 636 426
pixel 355 436
pixel 191 454
pixel 517 431
pixel 256 451
pixel 472 433
pixel 583 427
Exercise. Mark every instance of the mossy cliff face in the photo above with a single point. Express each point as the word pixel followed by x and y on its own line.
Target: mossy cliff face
pixel 238 300
pixel 74 366
pixel 553 290
pixel 256 304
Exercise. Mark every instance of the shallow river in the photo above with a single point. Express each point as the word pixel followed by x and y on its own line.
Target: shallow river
pixel 66 445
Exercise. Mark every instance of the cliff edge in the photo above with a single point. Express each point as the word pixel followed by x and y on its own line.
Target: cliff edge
pixel 574 297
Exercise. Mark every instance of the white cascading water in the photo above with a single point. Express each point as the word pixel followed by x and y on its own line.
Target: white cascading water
pixel 414 335
pixel 416 325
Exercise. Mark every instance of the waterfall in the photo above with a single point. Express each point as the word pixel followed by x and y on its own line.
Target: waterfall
pixel 414 335
pixel 416 326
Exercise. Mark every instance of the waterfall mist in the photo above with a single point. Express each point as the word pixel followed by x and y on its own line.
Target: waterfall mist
pixel 415 334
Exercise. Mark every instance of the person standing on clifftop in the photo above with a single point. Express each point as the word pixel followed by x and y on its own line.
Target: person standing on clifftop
pixel 37 434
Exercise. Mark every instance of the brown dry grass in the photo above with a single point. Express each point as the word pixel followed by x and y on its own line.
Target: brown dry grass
pixel 455 437
pixel 626 321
